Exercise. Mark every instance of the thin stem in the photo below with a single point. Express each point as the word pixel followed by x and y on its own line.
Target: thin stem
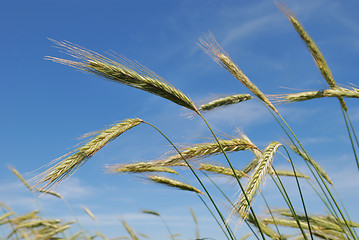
pixel 230 202
pixel 235 175
pixel 300 192
pixel 311 170
pixel 320 176
pixel 325 185
pixel 346 115
pixel 270 212
pixel 289 203
pixel 198 179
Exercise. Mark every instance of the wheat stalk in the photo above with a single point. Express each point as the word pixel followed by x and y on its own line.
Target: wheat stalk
pixel 212 48
pixel 128 73
pixel 256 179
pixel 313 49
pixel 232 99
pixel 174 183
pixel 70 164
pixel 304 96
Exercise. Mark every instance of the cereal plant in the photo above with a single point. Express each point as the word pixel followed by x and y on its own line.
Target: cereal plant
pixel 230 214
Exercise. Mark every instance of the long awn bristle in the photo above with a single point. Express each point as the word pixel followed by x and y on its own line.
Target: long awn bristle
pixel 70 164
pixel 127 72
pixel 313 49
pixel 212 48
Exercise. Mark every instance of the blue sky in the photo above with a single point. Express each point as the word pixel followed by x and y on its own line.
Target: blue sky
pixel 46 106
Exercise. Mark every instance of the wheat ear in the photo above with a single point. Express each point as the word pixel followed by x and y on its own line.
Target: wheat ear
pixel 127 72
pixel 291 174
pixel 18 220
pixel 229 100
pixel 54 232
pixel 220 170
pixel 208 149
pixel 4 216
pixel 139 167
pixel 89 213
pixel 46 191
pixel 197 151
pixel 130 231
pixel 312 162
pixel 212 48
pixel 317 230
pixel 313 49
pixel 20 177
pixel 151 212
pixel 304 96
pixel 174 183
pixel 256 179
pixel 70 164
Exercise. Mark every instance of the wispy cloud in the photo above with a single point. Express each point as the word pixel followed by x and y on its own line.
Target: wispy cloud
pixel 75 189
pixel 249 28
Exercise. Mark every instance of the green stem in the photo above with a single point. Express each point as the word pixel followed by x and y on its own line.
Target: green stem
pixel 323 181
pixel 300 193
pixel 287 200
pixel 235 175
pixel 230 202
pixel 346 115
pixel 198 179
pixel 270 212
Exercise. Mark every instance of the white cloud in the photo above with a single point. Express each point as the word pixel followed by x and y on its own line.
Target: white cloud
pixel 248 28
pixel 74 189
